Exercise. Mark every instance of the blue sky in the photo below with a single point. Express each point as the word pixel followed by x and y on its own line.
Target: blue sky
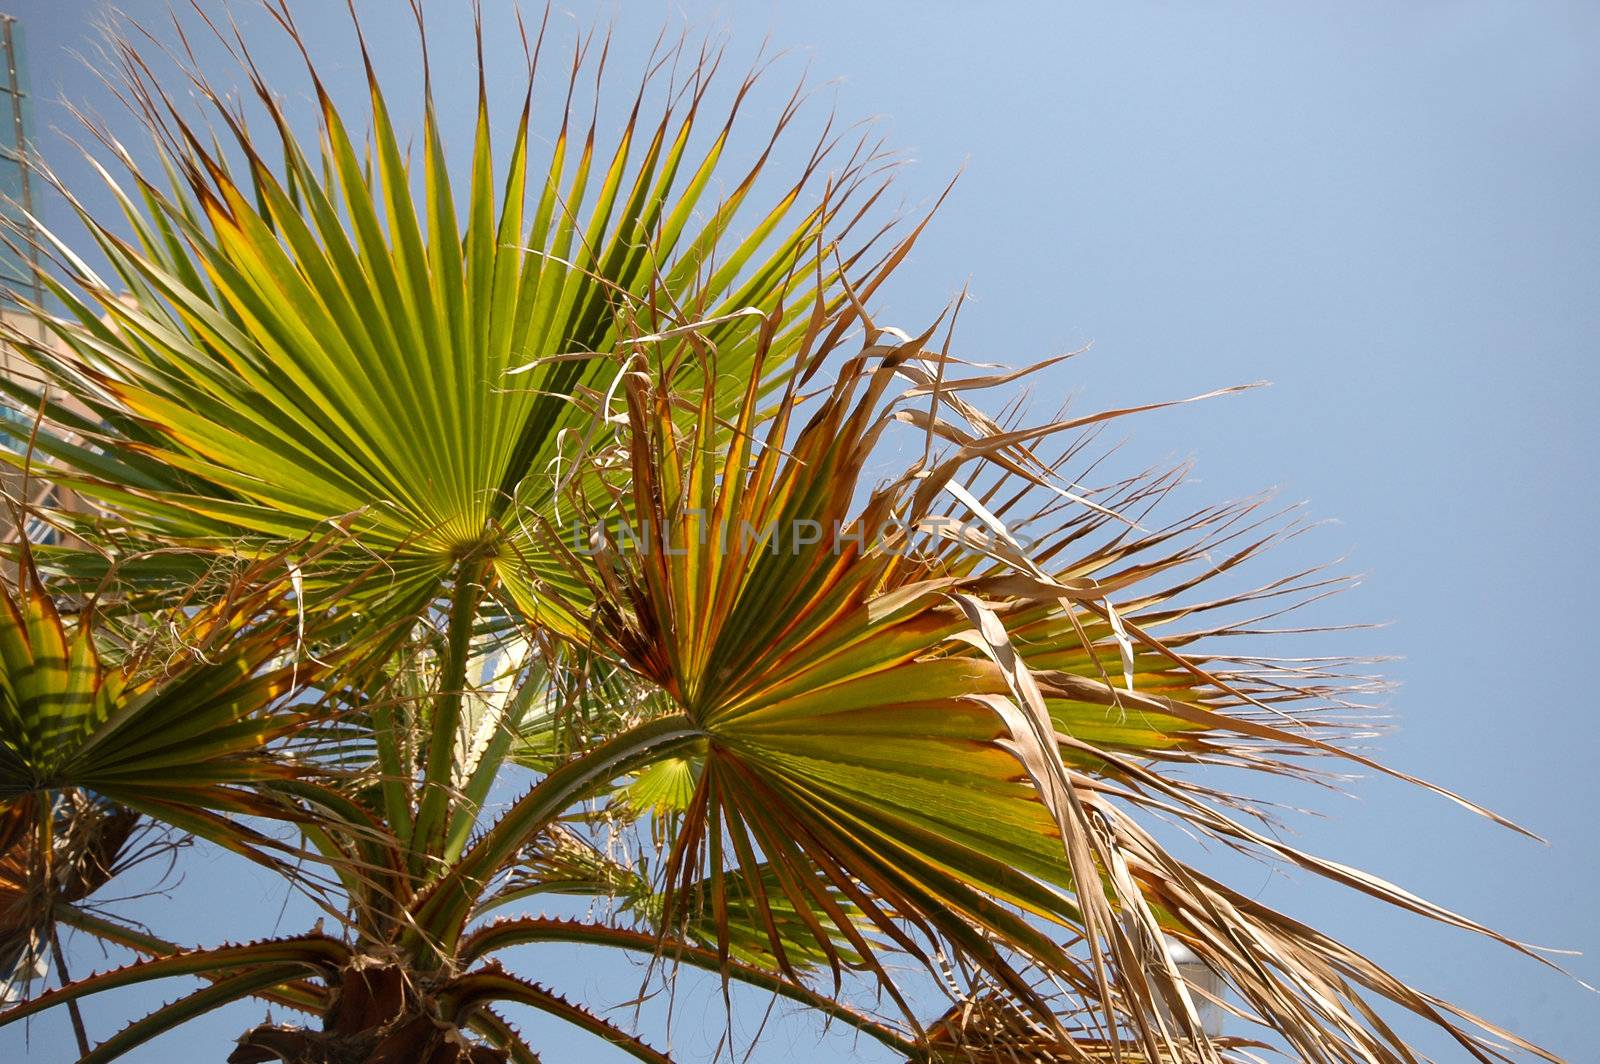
pixel 1389 211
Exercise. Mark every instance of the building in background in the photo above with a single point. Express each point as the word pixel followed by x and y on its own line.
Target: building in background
pixel 17 254
pixel 19 282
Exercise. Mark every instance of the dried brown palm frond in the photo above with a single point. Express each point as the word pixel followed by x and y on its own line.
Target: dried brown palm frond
pixel 52 852
pixel 907 709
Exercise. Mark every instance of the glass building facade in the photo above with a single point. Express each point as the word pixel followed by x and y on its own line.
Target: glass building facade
pixel 17 185
pixel 19 192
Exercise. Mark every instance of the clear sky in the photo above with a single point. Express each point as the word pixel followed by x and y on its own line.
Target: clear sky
pixel 1390 211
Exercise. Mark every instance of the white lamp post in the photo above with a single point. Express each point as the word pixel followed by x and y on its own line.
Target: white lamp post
pixel 1202 981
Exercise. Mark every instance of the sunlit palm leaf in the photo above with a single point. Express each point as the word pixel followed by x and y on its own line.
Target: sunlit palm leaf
pixel 318 340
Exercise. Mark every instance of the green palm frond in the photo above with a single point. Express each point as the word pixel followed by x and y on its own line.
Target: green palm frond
pixel 183 724
pixel 195 718
pixel 288 344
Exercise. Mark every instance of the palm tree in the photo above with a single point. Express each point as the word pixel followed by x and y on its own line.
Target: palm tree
pixel 395 488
